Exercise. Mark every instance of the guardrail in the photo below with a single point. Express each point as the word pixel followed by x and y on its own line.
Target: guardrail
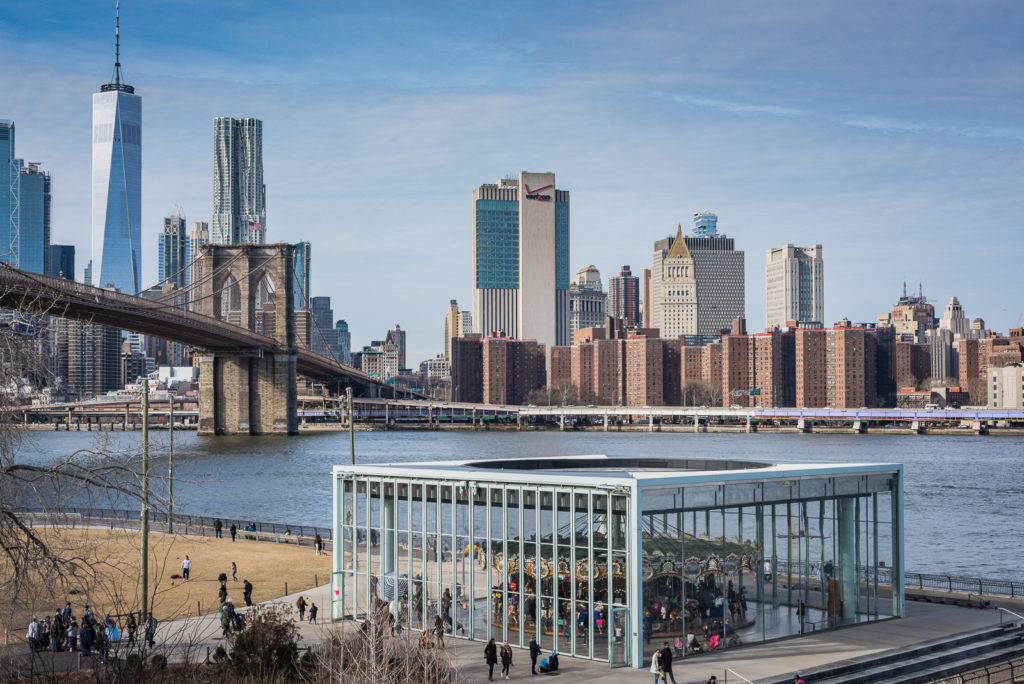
pixel 1008 671
pixel 303 535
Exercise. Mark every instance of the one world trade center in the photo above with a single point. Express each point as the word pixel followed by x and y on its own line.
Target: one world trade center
pixel 117 182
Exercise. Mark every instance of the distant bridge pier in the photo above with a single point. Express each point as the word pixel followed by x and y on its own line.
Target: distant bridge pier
pixel 859 427
pixel 247 394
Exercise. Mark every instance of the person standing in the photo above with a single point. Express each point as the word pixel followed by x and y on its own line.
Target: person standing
pixel 318 543
pixel 73 635
pixel 534 653
pixel 506 659
pixel 491 658
pixel 186 567
pixel 131 627
pixel 313 610
pixel 659 674
pixel 439 631
pixel 234 531
pixel 301 605
pixel 247 592
pixel 150 629
pixel 225 619
pixel 666 663
pixel 217 526
pixel 32 635
pixel 234 572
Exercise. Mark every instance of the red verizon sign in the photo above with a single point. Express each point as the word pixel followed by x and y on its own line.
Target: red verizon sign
pixel 534 194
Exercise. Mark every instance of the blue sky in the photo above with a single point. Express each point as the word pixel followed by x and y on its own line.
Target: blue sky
pixel 891 133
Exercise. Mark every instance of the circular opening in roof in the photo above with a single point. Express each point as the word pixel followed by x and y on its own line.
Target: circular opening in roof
pixel 615 463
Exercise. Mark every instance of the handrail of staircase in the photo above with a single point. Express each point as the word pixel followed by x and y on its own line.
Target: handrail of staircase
pixel 1004 610
pixel 725 676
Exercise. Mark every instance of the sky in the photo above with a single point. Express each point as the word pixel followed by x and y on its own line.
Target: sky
pixel 890 133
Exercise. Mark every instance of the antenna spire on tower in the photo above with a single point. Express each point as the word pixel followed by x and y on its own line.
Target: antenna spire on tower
pixel 117 42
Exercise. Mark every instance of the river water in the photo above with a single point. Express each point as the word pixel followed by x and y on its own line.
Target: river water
pixel 964 494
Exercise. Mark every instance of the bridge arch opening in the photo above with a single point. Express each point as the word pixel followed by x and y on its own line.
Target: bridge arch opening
pixel 265 301
pixel 230 301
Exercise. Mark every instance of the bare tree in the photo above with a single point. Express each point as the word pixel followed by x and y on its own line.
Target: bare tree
pixel 700 393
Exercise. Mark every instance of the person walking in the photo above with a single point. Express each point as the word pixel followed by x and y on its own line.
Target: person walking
pixel 131 627
pixel 659 674
pixel 534 653
pixel 32 635
pixel 506 659
pixel 491 658
pixel 186 567
pixel 73 635
pixel 301 605
pixel 313 610
pixel 234 531
pixel 247 592
pixel 234 572
pixel 439 630
pixel 318 544
pixel 225 619
pixel 150 629
pixel 712 679
pixel 217 526
pixel 666 663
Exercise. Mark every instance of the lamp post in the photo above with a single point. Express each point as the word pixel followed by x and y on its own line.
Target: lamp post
pixel 351 427
pixel 145 497
pixel 170 471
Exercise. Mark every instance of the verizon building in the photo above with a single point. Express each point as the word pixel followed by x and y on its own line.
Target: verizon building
pixel 521 259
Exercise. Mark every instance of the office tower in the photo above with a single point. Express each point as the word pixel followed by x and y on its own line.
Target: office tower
pixel 645 298
pixel 588 304
pixel 90 357
pixel 954 319
pixel 794 286
pixel 10 191
pixel 172 246
pixel 624 298
pixel 301 259
pixel 521 259
pixel 117 182
pixel 34 219
pixel 323 336
pixel 719 281
pixel 456 324
pixel 344 342
pixel 199 236
pixel 676 276
pixel 396 336
pixel 911 315
pixel 62 261
pixel 239 195
pixel 705 224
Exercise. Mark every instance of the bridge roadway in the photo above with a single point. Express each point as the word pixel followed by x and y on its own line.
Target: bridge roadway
pixel 62 298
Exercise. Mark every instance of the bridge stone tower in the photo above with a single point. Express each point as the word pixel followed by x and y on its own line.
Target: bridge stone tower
pixel 248 391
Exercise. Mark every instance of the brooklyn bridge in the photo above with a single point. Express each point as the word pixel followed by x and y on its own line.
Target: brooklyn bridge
pixel 238 315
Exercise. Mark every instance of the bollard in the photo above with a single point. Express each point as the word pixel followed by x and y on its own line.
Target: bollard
pixel 197 609
pixel 316 580
pixel 79 661
pixel 207 655
pixel 285 588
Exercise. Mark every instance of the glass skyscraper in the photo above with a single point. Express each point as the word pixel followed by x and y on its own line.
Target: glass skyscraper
pixel 117 184
pixel 239 195
pixel 171 251
pixel 10 188
pixel 34 219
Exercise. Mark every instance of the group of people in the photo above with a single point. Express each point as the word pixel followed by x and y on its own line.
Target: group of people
pixel 64 632
pixel 493 653
pixel 218 529
pixel 304 604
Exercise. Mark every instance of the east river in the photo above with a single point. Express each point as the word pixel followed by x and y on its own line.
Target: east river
pixel 964 495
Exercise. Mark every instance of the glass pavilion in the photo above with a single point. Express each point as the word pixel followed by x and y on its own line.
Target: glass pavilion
pixel 608 558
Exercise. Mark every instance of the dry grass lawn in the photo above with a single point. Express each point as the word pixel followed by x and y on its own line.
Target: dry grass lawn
pixel 110 584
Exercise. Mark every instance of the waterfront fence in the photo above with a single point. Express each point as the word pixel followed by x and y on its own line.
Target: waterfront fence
pixel 922 580
pixel 303 535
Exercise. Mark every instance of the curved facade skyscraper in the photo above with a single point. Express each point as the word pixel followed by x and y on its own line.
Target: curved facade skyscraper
pixel 239 195
pixel 117 183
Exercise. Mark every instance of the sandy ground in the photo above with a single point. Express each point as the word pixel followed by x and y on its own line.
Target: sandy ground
pixel 111 584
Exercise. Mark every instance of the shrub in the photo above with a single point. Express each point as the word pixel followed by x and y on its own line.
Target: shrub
pixel 159 661
pixel 220 655
pixel 266 647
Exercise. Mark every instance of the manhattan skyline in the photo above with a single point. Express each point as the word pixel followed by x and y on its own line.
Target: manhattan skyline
pixel 891 135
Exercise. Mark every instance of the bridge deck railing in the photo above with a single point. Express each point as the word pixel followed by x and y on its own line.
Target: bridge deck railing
pixel 923 580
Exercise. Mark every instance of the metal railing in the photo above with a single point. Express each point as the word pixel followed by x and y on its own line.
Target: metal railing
pixel 980 586
pixel 303 535
pixel 1009 671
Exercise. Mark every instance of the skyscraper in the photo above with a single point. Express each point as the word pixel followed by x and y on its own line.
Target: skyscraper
pixel 61 261
pixel 344 342
pixel 10 189
pixel 456 324
pixel 117 181
pixel 301 259
pixel 323 336
pixel 33 219
pixel 239 195
pixel 676 274
pixel 199 236
pixel 718 271
pixel 705 224
pixel 624 297
pixel 521 259
pixel 794 286
pixel 172 248
pixel 588 304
